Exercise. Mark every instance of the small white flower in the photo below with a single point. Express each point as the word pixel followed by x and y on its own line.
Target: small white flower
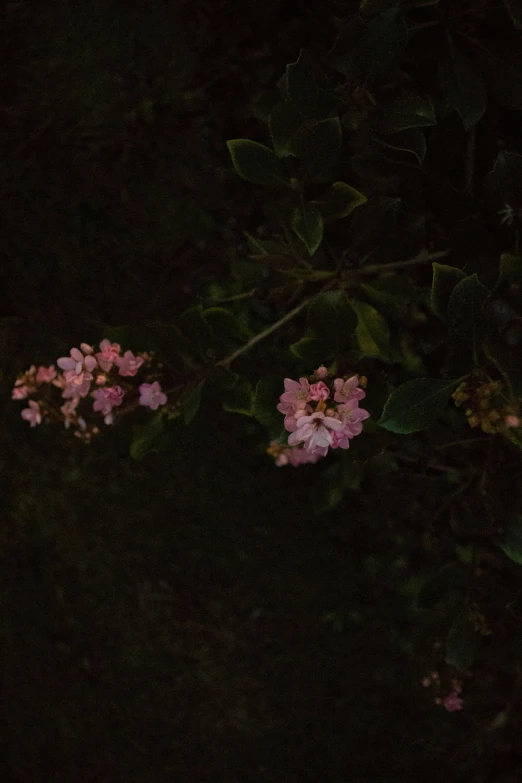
pixel 507 215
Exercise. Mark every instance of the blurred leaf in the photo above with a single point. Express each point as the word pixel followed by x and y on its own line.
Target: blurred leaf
pixel 466 317
pixel 447 579
pixel 372 332
pixel 225 327
pixel 332 318
pixel 240 398
pixel 416 404
pixel 511 543
pixel 378 50
pixel 307 223
pixel 409 140
pixel 338 201
pixel 462 86
pixel 504 182
pixel 287 125
pixel 313 350
pixel 190 402
pixel 445 278
pixel 514 9
pixel 462 644
pixel 392 295
pixel 410 111
pixel 145 436
pixel 256 163
pixel 193 325
pixel 319 146
pixel 501 66
pixel 266 398
pixel 511 267
pixel 308 88
pixel 328 491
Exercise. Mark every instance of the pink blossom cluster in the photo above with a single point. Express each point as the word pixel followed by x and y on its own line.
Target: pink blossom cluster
pixel 320 414
pixel 98 381
pixel 453 702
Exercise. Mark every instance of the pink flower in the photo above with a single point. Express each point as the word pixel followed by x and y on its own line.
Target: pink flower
pixel 68 411
pixel 129 364
pixel 351 420
pixel 46 374
pixel 512 421
pixel 348 390
pixel 319 391
pixel 106 399
pixel 290 422
pixel 73 390
pixel 19 393
pixel 32 414
pixel 87 349
pixel 151 395
pixel 315 432
pixel 321 373
pixel 108 355
pixel 296 393
pixel 78 368
pixel 453 702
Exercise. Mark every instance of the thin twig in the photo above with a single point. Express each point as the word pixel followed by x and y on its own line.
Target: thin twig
pixel 422 258
pixel 261 336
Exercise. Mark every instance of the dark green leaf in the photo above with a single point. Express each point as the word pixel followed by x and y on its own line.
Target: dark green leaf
pixel 190 402
pixel 462 86
pixel 511 267
pixel 445 278
pixel 449 578
pixel 409 140
pixel 379 48
pixel 416 404
pixel 462 644
pixel 466 317
pixel 308 88
pixel 339 201
pixel 256 163
pixel 372 332
pixel 328 491
pixel 391 295
pixel 145 436
pixel 411 111
pixel 225 327
pixel 331 314
pixel 287 125
pixel 195 328
pixel 504 182
pixel 307 223
pixel 239 399
pixel 313 350
pixel 319 147
pixel 501 65
pixel 266 398
pixel 512 538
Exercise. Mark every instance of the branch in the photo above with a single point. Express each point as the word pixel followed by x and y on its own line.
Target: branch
pixel 422 258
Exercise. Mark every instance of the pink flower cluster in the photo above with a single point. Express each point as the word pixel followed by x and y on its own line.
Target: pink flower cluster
pixel 99 376
pixel 453 702
pixel 319 415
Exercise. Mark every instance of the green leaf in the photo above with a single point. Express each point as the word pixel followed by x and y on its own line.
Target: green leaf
pixel 240 398
pixel 514 9
pixel 504 182
pixel 462 644
pixel 379 49
pixel 286 125
pixel 228 333
pixel 372 332
pixel 266 398
pixel 256 163
pixel 145 436
pixel 410 140
pixel 462 86
pixel 319 147
pixel 193 325
pixel 411 111
pixel 332 319
pixel 307 223
pixel 416 404
pixel 308 88
pixel 511 543
pixel 449 578
pixel 339 201
pixel 190 402
pixel 466 317
pixel 501 66
pixel 511 267
pixel 313 350
pixel 445 278
pixel 328 491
